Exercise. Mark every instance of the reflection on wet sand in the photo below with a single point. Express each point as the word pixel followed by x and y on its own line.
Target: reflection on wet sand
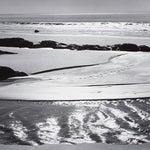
pixel 36 123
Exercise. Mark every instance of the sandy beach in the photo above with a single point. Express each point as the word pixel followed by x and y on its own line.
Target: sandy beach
pixel 113 74
pixel 82 89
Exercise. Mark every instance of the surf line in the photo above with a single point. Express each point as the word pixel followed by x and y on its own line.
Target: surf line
pixel 119 84
pixel 79 66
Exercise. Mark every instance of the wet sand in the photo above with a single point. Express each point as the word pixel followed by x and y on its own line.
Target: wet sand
pixel 113 122
pixel 79 147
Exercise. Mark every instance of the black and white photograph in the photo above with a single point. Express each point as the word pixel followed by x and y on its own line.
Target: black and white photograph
pixel 74 74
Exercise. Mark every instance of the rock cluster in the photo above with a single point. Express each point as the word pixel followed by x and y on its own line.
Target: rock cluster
pixel 15 42
pixel 36 31
pixel 5 52
pixel 6 72
pixel 19 42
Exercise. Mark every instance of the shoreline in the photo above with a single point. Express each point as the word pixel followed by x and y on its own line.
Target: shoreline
pixel 78 147
pixel 73 100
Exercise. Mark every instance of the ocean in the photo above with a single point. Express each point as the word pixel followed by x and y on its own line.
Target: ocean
pixel 36 18
pixel 78 29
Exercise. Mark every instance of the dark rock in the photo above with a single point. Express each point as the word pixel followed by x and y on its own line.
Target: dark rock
pixel 129 24
pixel 19 42
pixel 48 44
pixel 116 47
pixel 6 72
pixel 15 42
pixel 145 30
pixel 36 46
pixel 61 45
pixel 74 47
pixel 36 31
pixel 93 47
pixel 144 48
pixel 89 47
pixel 129 47
pixel 106 47
pixel 5 52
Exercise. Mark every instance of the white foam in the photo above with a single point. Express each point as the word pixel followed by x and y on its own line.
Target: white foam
pixel 48 131
pixel 20 132
pixel 142 114
pixel 131 137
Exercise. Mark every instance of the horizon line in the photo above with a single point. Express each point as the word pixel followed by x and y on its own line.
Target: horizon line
pixel 53 14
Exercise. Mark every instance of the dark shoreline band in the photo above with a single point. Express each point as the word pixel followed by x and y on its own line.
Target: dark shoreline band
pixel 22 43
pixel 76 100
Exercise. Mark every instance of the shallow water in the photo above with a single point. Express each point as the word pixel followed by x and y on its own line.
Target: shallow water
pixel 36 123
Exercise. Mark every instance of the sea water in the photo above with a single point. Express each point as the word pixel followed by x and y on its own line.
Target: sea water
pixel 78 29
pixel 102 17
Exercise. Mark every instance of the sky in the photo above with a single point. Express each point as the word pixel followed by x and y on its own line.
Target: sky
pixel 73 6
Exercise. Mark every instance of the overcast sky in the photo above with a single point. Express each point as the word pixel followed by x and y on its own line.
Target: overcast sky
pixel 74 6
